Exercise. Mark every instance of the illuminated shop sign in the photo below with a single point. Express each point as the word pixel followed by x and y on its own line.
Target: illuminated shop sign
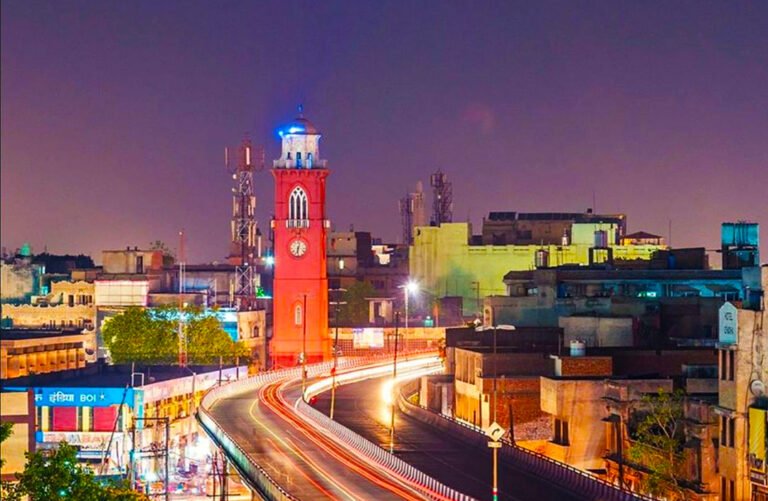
pixel 82 397
pixel 368 338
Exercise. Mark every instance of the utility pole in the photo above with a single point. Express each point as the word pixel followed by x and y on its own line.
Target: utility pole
pixel 336 305
pixel 394 378
pixel 166 422
pixel 182 336
pixel 304 347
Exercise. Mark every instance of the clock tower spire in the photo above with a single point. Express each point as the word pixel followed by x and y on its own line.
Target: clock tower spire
pixel 300 299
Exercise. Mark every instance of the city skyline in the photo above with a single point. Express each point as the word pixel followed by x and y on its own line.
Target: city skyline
pixel 115 117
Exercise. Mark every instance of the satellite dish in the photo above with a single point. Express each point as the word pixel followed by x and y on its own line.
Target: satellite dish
pixel 757 388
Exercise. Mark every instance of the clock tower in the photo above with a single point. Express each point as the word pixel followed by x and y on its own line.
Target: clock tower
pixel 300 299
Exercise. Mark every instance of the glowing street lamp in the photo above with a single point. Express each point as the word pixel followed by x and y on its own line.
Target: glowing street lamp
pixel 411 287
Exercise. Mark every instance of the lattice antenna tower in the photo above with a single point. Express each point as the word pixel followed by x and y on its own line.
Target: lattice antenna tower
pixel 442 201
pixel 406 218
pixel 243 245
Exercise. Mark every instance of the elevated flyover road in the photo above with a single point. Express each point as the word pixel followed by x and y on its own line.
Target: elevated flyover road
pixel 362 407
pixel 288 450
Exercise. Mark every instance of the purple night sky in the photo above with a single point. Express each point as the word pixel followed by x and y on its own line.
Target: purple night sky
pixel 115 114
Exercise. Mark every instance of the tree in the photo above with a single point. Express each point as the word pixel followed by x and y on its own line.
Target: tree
pixel 208 341
pixel 135 335
pixel 55 475
pixel 7 490
pixel 151 337
pixel 355 312
pixel 658 444
pixel 5 432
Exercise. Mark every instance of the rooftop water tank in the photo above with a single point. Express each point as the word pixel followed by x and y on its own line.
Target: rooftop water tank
pixel 578 348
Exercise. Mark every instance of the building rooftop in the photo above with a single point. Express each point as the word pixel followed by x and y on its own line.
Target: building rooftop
pixel 586 273
pixel 105 376
pixel 641 235
pixel 17 334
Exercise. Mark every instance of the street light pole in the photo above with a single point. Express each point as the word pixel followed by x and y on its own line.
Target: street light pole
pixel 394 377
pixel 335 351
pixel 495 445
pixel 304 347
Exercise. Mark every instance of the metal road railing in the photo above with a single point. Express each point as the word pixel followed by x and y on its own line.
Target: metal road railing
pixel 432 488
pixel 563 475
pixel 256 476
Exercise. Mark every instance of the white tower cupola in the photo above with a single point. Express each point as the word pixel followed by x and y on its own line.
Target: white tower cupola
pixel 301 142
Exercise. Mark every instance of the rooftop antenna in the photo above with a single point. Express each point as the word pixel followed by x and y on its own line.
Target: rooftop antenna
pixel 182 334
pixel 442 203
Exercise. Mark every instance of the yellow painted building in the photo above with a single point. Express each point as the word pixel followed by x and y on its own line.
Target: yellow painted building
pixel 24 353
pixel 446 264
pixel 17 407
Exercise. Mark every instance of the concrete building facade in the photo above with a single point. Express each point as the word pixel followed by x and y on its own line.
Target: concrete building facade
pixel 447 262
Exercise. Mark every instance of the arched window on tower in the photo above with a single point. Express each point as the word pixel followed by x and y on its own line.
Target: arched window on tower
pixel 298 209
pixel 298 315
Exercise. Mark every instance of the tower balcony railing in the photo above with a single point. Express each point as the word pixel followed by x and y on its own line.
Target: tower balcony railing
pixel 302 164
pixel 297 223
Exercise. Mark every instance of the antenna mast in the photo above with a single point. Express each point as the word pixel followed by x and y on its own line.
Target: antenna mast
pixel 182 334
pixel 243 245
pixel 442 202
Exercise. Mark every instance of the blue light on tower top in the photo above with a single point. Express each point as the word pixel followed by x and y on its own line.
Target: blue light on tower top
pixel 300 145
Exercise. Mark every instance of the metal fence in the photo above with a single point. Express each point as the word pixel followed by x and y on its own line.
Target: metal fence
pixel 565 476
pixel 258 478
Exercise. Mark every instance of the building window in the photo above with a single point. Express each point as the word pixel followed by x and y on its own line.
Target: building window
pixel 561 432
pixel 731 364
pixel 727 365
pixel 298 209
pixel 727 489
pixel 727 431
pixel 298 316
pixel 139 264
pixel 298 159
pixel 309 160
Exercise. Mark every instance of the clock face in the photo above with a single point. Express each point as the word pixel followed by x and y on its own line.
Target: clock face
pixel 298 247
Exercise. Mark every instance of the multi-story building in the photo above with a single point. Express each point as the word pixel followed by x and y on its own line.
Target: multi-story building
pixel 26 352
pixel 448 261
pixel 108 412
pixel 742 406
pixel 68 305
pixel 617 307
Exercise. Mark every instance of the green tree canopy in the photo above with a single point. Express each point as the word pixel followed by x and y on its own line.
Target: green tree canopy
pixel 151 337
pixel 5 432
pixel 657 446
pixel 55 475
pixel 136 335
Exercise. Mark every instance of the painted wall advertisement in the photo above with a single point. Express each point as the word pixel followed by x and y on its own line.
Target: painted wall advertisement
pixel 757 472
pixel 368 338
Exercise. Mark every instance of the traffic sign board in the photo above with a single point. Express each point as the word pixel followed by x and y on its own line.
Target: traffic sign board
pixel 495 431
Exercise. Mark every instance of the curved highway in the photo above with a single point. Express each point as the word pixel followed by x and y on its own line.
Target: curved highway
pixel 303 458
pixel 359 406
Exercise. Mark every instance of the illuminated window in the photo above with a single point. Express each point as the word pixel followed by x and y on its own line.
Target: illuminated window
pixel 298 316
pixel 298 209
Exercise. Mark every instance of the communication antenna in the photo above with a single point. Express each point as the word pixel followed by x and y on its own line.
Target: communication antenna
pixel 244 233
pixel 182 334
pixel 442 202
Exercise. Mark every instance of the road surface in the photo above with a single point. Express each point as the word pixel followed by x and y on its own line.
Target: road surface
pixel 359 406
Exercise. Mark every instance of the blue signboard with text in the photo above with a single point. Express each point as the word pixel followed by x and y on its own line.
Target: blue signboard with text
pixel 82 397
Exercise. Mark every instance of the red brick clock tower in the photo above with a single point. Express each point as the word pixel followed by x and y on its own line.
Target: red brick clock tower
pixel 300 299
